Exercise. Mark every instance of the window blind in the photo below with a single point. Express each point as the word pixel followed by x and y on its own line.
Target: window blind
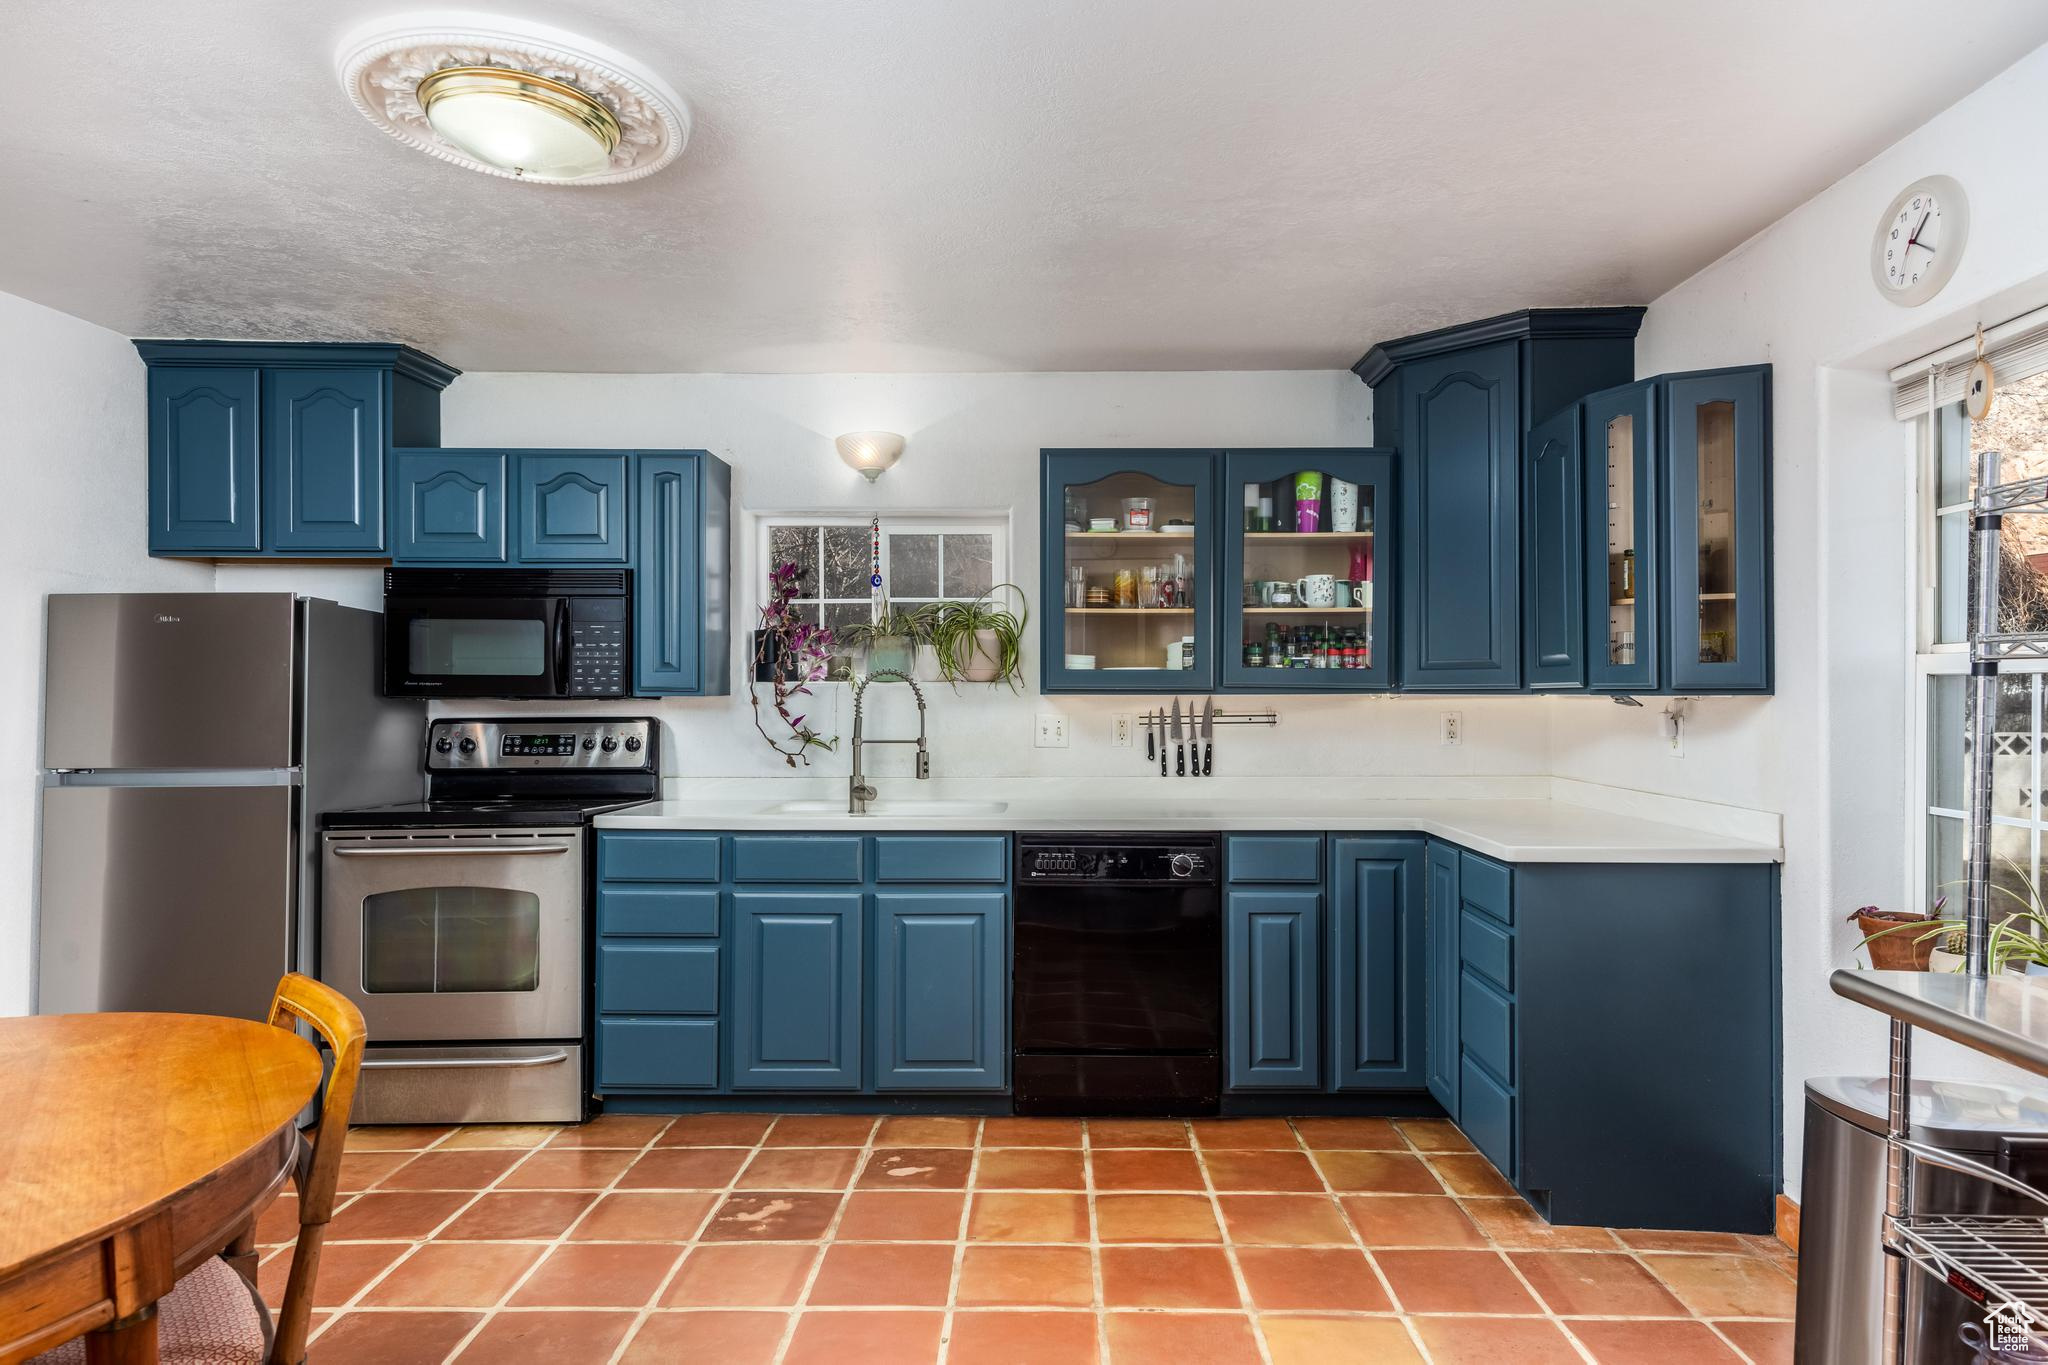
pixel 2017 350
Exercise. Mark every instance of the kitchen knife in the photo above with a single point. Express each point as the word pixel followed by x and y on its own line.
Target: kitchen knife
pixel 1162 741
pixel 1208 736
pixel 1180 748
pixel 1151 736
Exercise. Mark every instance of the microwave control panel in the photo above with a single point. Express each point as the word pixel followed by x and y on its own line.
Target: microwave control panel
pixel 597 659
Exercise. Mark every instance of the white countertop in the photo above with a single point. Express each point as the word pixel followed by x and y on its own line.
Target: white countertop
pixel 1531 824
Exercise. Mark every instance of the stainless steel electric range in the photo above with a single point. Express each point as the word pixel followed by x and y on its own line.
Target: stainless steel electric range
pixel 458 924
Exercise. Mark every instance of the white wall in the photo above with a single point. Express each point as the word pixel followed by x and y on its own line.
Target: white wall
pixel 1832 750
pixel 76 433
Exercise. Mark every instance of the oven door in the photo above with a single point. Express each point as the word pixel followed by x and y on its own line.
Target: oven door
pixel 476 646
pixel 458 936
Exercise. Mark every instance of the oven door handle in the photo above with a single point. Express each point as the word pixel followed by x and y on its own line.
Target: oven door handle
pixel 440 1063
pixel 444 850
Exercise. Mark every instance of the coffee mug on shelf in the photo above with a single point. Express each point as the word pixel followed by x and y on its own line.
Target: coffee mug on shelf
pixel 1344 596
pixel 1343 505
pixel 1317 590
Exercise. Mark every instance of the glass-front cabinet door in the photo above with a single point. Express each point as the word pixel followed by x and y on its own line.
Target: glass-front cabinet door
pixel 1306 559
pixel 1717 432
pixel 1129 542
pixel 1622 561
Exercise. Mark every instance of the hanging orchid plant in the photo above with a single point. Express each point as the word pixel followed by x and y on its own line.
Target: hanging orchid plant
pixel 795 654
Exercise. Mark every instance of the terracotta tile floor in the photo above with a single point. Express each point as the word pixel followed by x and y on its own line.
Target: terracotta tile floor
pixel 746 1239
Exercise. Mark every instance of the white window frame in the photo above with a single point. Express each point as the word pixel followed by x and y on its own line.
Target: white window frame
pixel 997 525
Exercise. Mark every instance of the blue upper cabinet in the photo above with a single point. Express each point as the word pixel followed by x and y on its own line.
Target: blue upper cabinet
pixel 281 448
pixel 572 507
pixel 1305 585
pixel 1554 555
pixel 1127 601
pixel 1455 405
pixel 682 581
pixel 203 481
pixel 1624 558
pixel 1717 449
pixel 448 506
pixel 323 456
pixel 1378 1038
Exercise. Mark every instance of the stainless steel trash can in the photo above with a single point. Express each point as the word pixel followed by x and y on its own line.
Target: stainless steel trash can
pixel 1841 1256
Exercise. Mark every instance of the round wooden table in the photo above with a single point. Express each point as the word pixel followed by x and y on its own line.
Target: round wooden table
pixel 132 1147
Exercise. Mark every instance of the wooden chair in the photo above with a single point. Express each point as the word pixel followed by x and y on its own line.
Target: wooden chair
pixel 215 1316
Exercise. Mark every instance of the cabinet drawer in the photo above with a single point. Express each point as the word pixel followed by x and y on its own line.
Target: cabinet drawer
pixel 657 1054
pixel 1487 949
pixel 1486 885
pixel 657 857
pixel 907 858
pixel 657 978
pixel 795 858
pixel 1275 858
pixel 657 911
pixel 1486 1025
pixel 1486 1114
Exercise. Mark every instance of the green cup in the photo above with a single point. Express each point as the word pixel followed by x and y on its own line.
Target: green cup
pixel 1308 500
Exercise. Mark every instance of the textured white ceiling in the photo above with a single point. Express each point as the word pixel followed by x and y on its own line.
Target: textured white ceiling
pixel 963 185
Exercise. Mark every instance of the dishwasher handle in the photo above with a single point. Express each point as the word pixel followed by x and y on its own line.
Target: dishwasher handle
pixel 443 850
pixel 462 1063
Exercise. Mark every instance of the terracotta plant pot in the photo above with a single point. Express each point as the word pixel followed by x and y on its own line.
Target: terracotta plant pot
pixel 979 658
pixel 1902 951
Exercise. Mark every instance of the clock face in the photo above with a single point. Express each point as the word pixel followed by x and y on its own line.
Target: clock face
pixel 1919 241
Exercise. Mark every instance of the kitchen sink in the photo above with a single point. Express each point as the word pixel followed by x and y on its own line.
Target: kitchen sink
pixel 928 809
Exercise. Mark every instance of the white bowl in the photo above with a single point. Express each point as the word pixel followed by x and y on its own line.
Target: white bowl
pixel 1080 661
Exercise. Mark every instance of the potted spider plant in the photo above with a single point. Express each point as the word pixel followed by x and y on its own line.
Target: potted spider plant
pixel 889 643
pixel 981 641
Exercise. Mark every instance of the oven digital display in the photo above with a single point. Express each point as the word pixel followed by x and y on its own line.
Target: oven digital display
pixel 537 746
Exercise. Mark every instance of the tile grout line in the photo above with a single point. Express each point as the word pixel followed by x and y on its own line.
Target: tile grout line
pixel 827 1238
pixel 1344 1212
pixel 518 1283
pixel 960 1245
pixel 1244 1291
pixel 694 1241
pixel 1099 1303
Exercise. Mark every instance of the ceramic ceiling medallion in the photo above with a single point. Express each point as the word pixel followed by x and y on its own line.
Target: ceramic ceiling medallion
pixel 382 64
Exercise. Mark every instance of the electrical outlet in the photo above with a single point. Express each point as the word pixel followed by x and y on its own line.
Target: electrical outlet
pixel 1052 731
pixel 1453 731
pixel 1122 738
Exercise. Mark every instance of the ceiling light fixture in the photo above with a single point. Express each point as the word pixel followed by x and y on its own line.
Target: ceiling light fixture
pixel 870 452
pixel 513 99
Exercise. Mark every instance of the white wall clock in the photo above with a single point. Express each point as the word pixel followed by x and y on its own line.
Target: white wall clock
pixel 1919 241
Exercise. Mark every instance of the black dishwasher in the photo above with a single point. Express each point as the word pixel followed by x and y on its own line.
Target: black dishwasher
pixel 1118 963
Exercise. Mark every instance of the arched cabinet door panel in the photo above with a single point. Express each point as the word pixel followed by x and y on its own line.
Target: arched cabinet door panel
pixel 449 507
pixel 323 460
pixel 1554 555
pixel 204 477
pixel 572 507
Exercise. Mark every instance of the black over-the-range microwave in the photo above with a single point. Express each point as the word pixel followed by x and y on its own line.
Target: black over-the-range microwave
pixel 518 633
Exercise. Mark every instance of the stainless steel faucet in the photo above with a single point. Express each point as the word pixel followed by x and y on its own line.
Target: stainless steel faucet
pixel 858 792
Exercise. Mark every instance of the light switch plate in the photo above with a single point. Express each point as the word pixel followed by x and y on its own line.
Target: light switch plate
pixel 1052 730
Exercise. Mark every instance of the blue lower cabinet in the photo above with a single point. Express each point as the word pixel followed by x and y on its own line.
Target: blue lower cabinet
pixel 657 978
pixel 1377 961
pixel 1486 1115
pixel 1273 1009
pixel 796 990
pixel 1443 910
pixel 657 1054
pixel 939 1003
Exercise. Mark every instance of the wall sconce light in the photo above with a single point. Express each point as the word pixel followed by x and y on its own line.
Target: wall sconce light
pixel 870 452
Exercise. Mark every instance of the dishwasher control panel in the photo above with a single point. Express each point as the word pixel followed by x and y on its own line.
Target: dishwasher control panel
pixel 1132 862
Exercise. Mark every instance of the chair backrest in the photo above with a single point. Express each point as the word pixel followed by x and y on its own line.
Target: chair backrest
pixel 340 1025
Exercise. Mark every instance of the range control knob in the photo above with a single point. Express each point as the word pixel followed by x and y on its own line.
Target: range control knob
pixel 611 743
pixel 632 744
pixel 442 746
pixel 468 746
pixel 1184 864
pixel 589 743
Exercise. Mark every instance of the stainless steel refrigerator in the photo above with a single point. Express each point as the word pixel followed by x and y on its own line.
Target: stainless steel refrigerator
pixel 189 742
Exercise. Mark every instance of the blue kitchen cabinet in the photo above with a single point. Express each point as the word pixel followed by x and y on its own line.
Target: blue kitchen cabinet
pixel 448 506
pixel 796 990
pixel 1360 554
pixel 1489 1107
pixel 571 507
pixel 1273 1005
pixel 281 448
pixel 1717 427
pixel 203 476
pixel 1138 647
pixel 323 452
pixel 1554 555
pixel 1377 960
pixel 1455 404
pixel 939 999
pixel 1442 909
pixel 1624 572
pixel 682 579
